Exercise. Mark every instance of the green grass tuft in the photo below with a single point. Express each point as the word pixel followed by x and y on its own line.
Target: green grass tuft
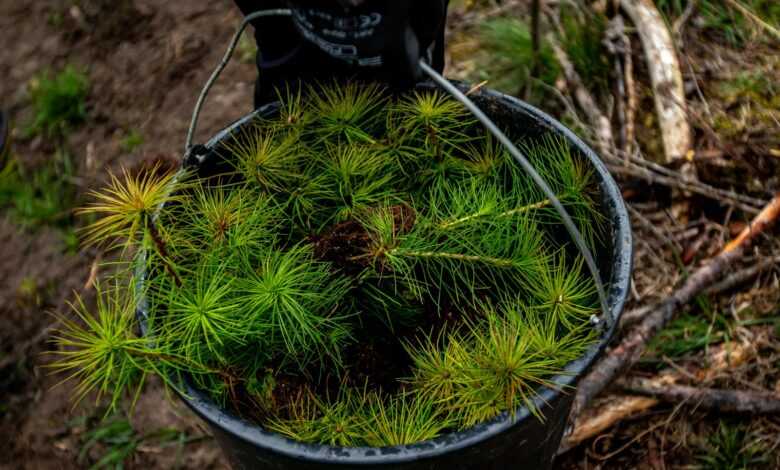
pixel 59 102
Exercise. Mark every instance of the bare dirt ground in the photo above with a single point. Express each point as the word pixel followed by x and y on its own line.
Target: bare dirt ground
pixel 146 65
pixel 146 61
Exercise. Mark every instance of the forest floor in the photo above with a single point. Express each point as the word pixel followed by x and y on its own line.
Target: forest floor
pixel 145 61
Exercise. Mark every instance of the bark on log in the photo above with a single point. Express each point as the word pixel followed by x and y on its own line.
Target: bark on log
pixel 665 76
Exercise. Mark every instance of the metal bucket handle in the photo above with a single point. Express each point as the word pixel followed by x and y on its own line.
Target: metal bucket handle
pixel 571 227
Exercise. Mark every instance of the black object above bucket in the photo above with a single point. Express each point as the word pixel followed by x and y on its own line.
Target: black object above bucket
pixel 511 440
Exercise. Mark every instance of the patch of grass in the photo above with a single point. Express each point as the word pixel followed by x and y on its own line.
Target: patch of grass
pixel 131 141
pixel 115 442
pixel 582 41
pixel 511 55
pixel 58 101
pixel 757 86
pixel 40 196
pixel 731 448
pixel 689 333
pixel 722 20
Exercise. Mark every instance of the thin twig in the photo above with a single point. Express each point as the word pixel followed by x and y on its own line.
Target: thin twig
pixel 639 160
pixel 680 183
pixel 162 250
pixel 680 22
pixel 742 276
pixel 618 45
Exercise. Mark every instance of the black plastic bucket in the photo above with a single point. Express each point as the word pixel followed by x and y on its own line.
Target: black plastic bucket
pixel 517 440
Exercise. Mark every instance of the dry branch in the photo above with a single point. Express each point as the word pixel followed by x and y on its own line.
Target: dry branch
pixel 742 276
pixel 730 281
pixel 633 345
pixel 742 401
pixel 682 183
pixel 619 408
pixel 665 76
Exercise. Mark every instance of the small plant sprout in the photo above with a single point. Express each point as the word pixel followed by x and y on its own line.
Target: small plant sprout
pixel 202 315
pixel 59 101
pixel 102 350
pixel 292 301
pixel 337 423
pixel 361 269
pixel 347 114
pixel 267 157
pixel 127 206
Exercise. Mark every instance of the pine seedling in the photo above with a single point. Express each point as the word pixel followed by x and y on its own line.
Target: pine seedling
pixel 460 264
pixel 357 178
pixel 292 299
pixel 505 368
pixel 436 127
pixel 127 206
pixel 336 423
pixel 487 161
pixel 103 353
pixel 437 365
pixel 563 291
pixel 202 315
pixel 348 113
pixel 549 337
pixel 438 121
pixel 229 219
pixel 403 419
pixel 292 109
pixel 505 191
pixel 267 157
pixel 569 178
pixel 460 206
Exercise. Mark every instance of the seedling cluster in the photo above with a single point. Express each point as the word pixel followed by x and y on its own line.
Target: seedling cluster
pixel 367 269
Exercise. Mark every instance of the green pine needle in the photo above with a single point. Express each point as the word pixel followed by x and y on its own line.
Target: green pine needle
pixel 291 298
